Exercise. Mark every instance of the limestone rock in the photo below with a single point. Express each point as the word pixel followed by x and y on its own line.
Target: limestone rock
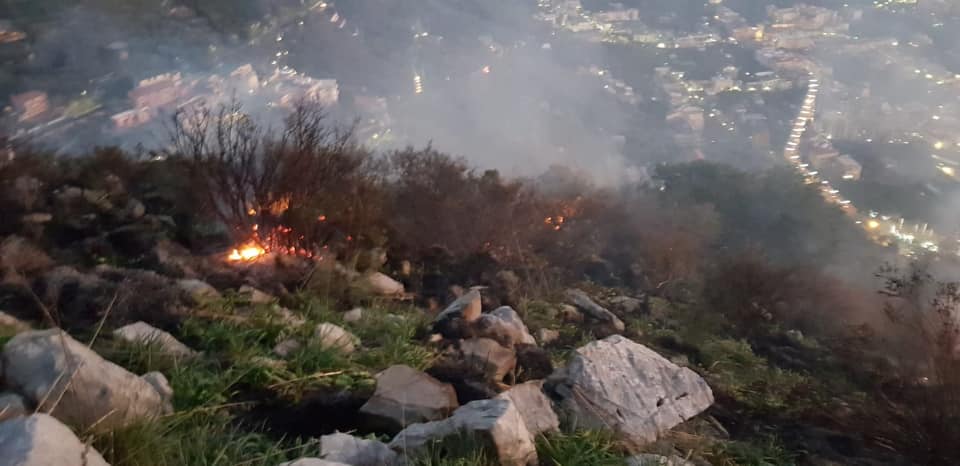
pixel 406 396
pixel 11 406
pixel 52 369
pixel 546 336
pixel 495 422
pixel 494 360
pixel 628 388
pixel 381 285
pixel 354 451
pixel 332 336
pixel 159 383
pixel 41 440
pixel 353 315
pixel 505 326
pixel 198 291
pixel 586 305
pixel 146 334
pixel 534 407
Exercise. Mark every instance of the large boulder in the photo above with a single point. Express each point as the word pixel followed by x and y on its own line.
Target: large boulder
pixel 505 326
pixel 628 388
pixel 40 440
pixel 494 360
pixel 406 396
pixel 534 407
pixel 452 323
pixel 496 423
pixel 75 384
pixel 597 312
pixel 354 451
pixel 145 334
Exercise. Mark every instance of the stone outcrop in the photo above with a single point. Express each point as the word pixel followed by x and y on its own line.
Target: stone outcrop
pixel 495 422
pixel 41 440
pixel 406 396
pixel 354 451
pixel 56 372
pixel 494 360
pixel 505 326
pixel 628 388
pixel 534 407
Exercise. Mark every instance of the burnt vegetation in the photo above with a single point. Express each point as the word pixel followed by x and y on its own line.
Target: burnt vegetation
pixel 732 271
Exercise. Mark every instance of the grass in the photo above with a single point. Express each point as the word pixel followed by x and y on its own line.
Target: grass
pixel 763 452
pixel 580 448
pixel 456 450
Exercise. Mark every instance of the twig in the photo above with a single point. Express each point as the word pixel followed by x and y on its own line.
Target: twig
pixel 104 318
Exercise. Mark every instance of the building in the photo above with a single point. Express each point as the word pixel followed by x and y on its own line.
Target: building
pixel 157 92
pixel 131 118
pixel 30 105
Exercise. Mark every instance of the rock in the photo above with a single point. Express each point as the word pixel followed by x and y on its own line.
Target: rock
pixel 313 462
pixel 10 325
pixel 546 336
pixel 198 291
pixel 353 315
pixel 496 423
pixel 159 383
pixel 268 363
pixel 494 360
pixel 287 347
pixel 628 388
pixel 570 314
pixel 11 406
pixel 37 218
pixel 18 256
pixel 173 259
pixel 406 396
pixel 134 209
pixel 627 305
pixel 586 305
pixel 354 451
pixel 533 363
pixel 41 440
pixel 288 317
pixel 382 285
pixel 534 407
pixel 81 388
pixel 505 326
pixel 98 199
pixel 332 336
pixel 452 323
pixel 660 309
pixel 145 334
pixel 254 296
pixel 648 459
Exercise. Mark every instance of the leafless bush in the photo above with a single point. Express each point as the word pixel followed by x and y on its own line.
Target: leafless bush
pixel 303 186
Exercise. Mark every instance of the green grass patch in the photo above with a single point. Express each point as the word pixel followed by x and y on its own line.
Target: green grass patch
pixel 580 448
pixel 763 452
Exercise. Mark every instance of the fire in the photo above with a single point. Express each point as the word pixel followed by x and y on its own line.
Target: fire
pixel 247 252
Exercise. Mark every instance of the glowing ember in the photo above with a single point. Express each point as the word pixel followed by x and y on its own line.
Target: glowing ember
pixel 247 252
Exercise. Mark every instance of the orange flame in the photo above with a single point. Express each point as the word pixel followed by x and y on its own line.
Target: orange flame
pixel 247 252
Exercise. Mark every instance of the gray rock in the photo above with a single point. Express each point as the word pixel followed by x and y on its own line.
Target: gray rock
pixel 649 459
pixel 134 209
pixel 254 296
pixel 313 462
pixel 534 407
pixel 495 422
pixel 328 335
pixel 494 360
pixel 287 347
pixel 159 383
pixel 628 388
pixel 406 396
pixel 11 406
pixel 353 315
pixel 381 285
pixel 586 305
pixel 467 307
pixel 505 326
pixel 75 384
pixel 546 336
pixel 570 314
pixel 626 304
pixel 41 440
pixel 198 291
pixel 354 451
pixel 145 334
